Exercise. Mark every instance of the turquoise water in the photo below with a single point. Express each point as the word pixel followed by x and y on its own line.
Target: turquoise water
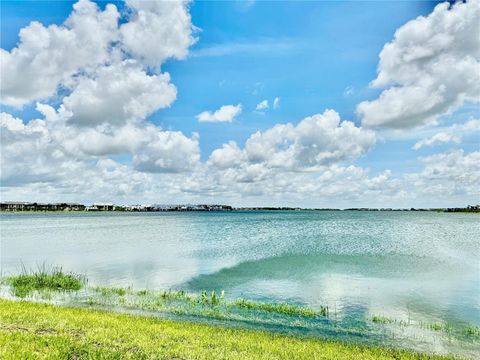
pixel 402 265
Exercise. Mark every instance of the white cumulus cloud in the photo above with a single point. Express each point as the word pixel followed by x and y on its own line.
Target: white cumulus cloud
pixel 316 141
pixel 48 56
pixel 262 105
pixel 226 113
pixel 449 134
pixel 119 93
pixel 158 30
pixel 438 138
pixel 430 68
pixel 450 173
pixel 108 89
pixel 53 56
pixel 98 76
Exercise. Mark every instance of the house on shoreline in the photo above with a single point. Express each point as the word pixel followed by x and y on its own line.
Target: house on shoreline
pixel 19 206
pixel 29 206
pixel 100 207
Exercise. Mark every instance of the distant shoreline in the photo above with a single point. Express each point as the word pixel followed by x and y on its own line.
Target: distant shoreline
pixel 454 210
pixel 21 206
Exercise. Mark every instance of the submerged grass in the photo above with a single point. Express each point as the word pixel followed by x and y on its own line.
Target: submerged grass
pixel 379 319
pixel 54 279
pixel 471 331
pixel 199 304
pixel 110 291
pixel 40 331
pixel 286 309
pixel 205 304
pixel 210 304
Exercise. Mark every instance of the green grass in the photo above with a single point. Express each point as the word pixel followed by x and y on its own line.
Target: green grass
pixel 470 331
pixel 435 326
pixel 209 304
pixel 379 319
pixel 205 304
pixel 39 331
pixel 110 291
pixel 286 309
pixel 53 279
pixel 382 319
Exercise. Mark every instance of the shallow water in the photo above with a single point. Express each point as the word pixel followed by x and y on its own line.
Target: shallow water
pixel 404 265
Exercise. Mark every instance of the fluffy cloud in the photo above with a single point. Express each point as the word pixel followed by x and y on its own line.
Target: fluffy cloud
pixel 253 184
pixel 107 95
pixel 48 56
pixel 225 114
pixel 229 155
pixel 262 105
pixel 53 153
pixel 450 173
pixel 289 162
pixel 109 71
pixel 119 93
pixel 452 133
pixel 446 178
pixel 158 30
pixel 438 138
pixel 48 168
pixel 168 151
pixel 430 68
pixel 29 153
pixel 316 141
pixel 53 56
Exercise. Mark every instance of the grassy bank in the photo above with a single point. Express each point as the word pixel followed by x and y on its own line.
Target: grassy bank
pixel 44 283
pixel 54 279
pixel 32 331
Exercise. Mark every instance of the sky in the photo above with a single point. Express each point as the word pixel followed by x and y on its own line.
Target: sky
pixel 249 103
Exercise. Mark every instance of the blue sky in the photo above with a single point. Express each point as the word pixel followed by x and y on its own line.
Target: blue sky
pixel 311 55
pixel 304 53
pixel 307 53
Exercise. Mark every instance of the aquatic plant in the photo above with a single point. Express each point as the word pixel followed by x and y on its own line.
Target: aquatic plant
pixel 91 301
pixel 472 330
pixel 44 279
pixel 382 319
pixel 174 295
pixel 386 320
pixel 211 299
pixel 324 311
pixel 280 308
pixel 434 326
pixel 469 330
pixel 109 291
pixel 173 301
pixel 203 304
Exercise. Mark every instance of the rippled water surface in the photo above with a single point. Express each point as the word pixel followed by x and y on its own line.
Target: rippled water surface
pixel 402 265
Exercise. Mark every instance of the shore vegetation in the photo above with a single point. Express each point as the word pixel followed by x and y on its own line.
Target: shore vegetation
pixel 44 279
pixel 41 331
pixel 53 331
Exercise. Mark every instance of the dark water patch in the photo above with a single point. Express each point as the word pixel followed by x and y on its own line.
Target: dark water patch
pixel 303 266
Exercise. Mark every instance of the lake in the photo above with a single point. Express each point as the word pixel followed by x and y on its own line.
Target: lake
pixel 400 265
